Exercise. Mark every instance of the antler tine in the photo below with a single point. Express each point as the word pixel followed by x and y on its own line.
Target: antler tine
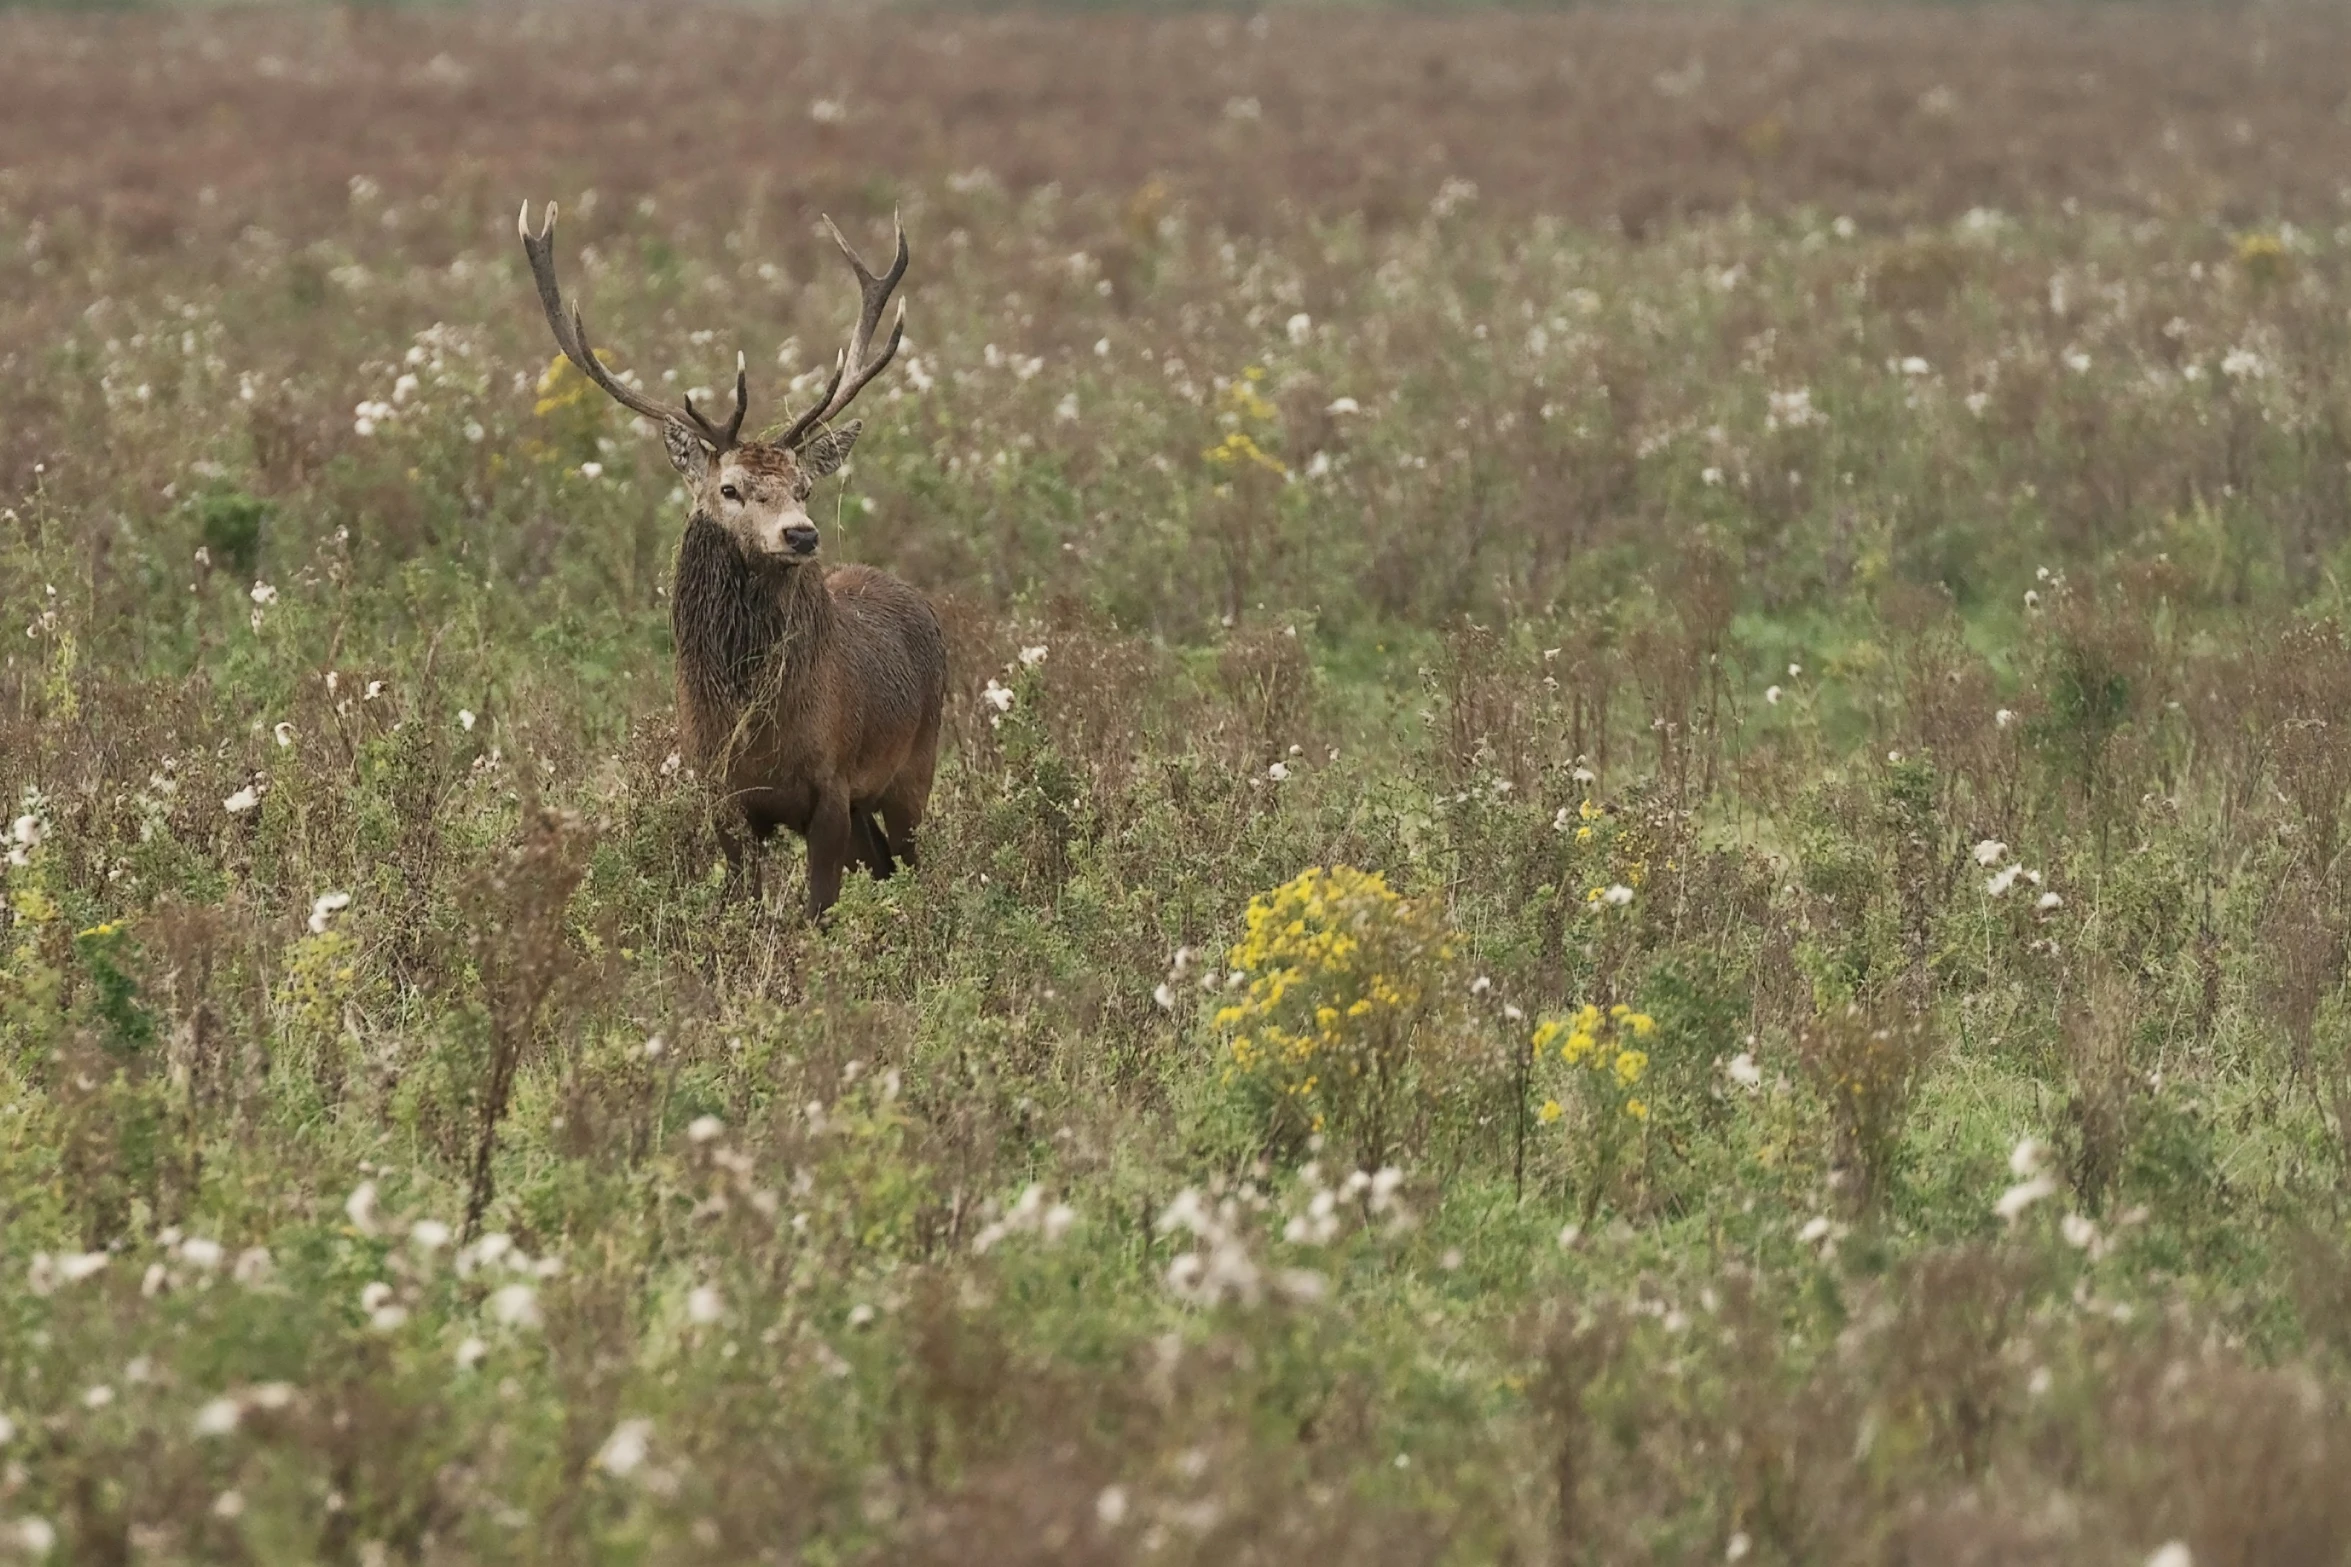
pixel 800 427
pixel 724 439
pixel 869 368
pixel 571 335
pixel 874 297
pixel 855 369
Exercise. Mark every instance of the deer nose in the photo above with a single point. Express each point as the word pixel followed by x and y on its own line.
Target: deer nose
pixel 800 538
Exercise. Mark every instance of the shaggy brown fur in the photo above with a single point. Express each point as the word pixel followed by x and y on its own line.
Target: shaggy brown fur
pixel 810 700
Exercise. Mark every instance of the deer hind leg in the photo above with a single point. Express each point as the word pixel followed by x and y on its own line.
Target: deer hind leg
pixel 909 795
pixel 744 855
pixel 872 847
pixel 832 842
pixel 902 810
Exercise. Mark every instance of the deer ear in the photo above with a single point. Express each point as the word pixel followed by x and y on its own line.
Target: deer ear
pixel 826 450
pixel 687 452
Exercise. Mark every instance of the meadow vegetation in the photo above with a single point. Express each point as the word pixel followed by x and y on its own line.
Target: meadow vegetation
pixel 1650 870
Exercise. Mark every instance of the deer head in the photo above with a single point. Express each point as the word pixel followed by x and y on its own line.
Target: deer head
pixel 757 490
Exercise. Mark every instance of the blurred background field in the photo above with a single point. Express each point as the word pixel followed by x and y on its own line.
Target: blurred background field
pixel 1641 856
pixel 1623 116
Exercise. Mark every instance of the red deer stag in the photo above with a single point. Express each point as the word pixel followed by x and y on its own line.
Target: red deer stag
pixel 809 698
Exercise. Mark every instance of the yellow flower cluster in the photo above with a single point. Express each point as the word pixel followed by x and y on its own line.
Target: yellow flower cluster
pixel 321 976
pixel 28 982
pixel 1337 967
pixel 1593 1064
pixel 1614 854
pixel 1240 406
pixel 561 386
pixel 1243 401
pixel 1237 451
pixel 2263 256
pixel 1602 1049
pixel 570 416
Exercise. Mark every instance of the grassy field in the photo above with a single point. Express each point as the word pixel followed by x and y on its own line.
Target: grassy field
pixel 1641 855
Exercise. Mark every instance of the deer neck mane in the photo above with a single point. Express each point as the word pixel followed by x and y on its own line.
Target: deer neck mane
pixel 747 632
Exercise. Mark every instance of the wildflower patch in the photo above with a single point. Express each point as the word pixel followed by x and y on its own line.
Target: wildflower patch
pixel 1342 985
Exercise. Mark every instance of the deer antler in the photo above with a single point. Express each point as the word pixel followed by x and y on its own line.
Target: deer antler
pixel 571 335
pixel 852 370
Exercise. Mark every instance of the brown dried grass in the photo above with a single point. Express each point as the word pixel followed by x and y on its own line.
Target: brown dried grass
pixel 162 128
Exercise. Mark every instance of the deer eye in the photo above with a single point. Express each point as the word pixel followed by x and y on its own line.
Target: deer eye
pixel 730 492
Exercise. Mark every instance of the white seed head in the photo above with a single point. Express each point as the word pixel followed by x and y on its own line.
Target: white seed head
pixel 2014 1201
pixel 516 1306
pixel 623 1452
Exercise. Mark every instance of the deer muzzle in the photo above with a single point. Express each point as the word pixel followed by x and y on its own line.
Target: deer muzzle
pixel 787 537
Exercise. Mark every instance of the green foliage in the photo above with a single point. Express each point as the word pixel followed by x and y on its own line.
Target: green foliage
pixel 105 953
pixel 1865 1068
pixel 230 524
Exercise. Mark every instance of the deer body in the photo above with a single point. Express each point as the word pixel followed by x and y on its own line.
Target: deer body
pixel 810 699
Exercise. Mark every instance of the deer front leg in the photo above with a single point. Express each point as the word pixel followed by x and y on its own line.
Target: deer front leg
pixel 829 848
